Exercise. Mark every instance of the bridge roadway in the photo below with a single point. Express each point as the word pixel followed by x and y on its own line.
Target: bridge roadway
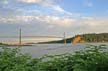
pixel 30 37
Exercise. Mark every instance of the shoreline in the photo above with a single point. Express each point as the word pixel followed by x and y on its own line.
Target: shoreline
pixel 52 43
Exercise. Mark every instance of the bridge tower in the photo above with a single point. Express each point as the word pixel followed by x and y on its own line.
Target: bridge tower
pixel 20 38
pixel 64 38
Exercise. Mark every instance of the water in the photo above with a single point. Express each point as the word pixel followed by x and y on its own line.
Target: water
pixel 39 50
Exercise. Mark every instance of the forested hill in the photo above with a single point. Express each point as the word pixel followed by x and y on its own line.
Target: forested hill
pixel 102 37
pixel 85 38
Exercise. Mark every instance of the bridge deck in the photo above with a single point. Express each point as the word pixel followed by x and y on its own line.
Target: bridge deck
pixel 30 37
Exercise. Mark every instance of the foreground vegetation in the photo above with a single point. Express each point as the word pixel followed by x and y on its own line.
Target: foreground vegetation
pixel 93 58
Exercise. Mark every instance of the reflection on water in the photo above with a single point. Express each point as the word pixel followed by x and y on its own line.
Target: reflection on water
pixel 39 50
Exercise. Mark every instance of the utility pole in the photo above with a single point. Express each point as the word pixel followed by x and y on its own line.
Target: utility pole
pixel 64 38
pixel 20 42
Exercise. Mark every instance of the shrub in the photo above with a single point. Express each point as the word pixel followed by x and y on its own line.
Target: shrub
pixel 12 60
pixel 93 58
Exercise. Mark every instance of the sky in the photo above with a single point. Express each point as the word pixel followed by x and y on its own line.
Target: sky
pixel 53 17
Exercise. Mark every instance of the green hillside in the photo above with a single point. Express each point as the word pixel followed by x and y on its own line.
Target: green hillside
pixel 84 38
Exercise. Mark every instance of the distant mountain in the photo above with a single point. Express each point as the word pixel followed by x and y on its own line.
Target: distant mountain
pixel 84 38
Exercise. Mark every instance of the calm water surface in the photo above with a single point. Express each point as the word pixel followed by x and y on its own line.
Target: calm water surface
pixel 38 50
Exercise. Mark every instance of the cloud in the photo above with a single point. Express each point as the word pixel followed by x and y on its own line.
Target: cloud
pixel 44 19
pixel 31 1
pixel 3 1
pixel 88 3
pixel 53 21
pixel 49 6
pixel 19 15
pixel 46 24
pixel 27 12
pixel 57 8
pixel 40 2
pixel 52 6
pixel 94 22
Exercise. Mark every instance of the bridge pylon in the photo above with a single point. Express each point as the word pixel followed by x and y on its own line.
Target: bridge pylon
pixel 65 38
pixel 20 37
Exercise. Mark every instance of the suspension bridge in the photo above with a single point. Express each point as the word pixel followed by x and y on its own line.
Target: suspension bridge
pixel 20 37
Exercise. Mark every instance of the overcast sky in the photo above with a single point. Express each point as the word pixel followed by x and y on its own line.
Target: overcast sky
pixel 53 17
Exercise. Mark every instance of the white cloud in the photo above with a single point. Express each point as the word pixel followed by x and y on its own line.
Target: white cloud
pixel 87 18
pixel 31 1
pixel 88 3
pixel 44 19
pixel 4 1
pixel 57 8
pixel 94 22
pixel 58 24
pixel 65 22
pixel 40 2
pixel 51 5
pixel 53 21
